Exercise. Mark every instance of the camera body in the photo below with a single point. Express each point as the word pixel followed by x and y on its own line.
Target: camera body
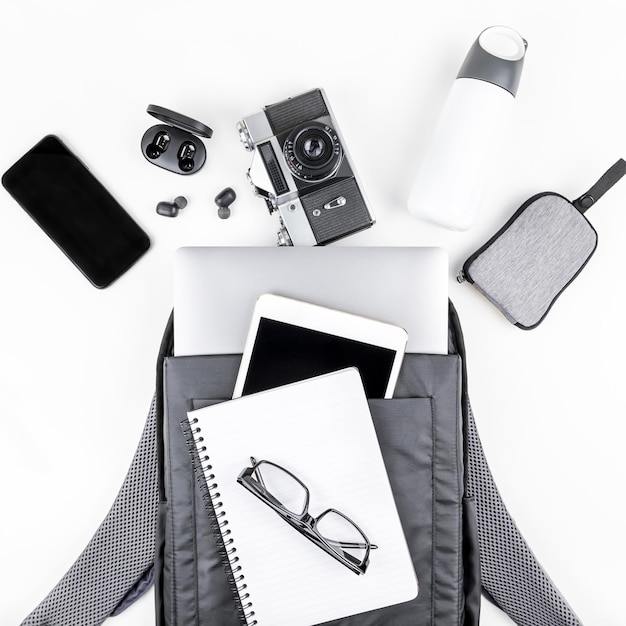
pixel 301 168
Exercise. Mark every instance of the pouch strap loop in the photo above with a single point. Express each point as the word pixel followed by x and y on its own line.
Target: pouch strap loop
pixel 606 181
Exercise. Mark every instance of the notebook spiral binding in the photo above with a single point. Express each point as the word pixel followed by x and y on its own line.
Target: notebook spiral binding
pixel 217 514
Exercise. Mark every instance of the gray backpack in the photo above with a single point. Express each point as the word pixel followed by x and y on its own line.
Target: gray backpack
pixel 462 540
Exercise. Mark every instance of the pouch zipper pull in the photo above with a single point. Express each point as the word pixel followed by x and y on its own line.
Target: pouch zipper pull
pixel 461 277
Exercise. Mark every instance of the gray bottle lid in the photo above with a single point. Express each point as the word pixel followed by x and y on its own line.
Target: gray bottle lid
pixel 497 56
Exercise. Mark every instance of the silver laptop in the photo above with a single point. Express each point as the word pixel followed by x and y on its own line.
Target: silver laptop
pixel 215 290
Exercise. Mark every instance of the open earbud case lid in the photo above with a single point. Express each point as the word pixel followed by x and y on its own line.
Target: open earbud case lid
pixel 180 121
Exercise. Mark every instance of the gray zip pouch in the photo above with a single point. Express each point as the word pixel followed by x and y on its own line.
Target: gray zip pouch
pixel 530 261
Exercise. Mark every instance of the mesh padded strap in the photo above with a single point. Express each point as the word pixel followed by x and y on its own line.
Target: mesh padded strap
pixel 510 572
pixel 115 567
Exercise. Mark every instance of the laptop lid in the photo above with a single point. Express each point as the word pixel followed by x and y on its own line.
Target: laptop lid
pixel 215 290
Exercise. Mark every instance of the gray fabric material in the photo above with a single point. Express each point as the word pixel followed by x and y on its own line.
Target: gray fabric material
pixel 119 556
pixel 123 549
pixel 140 587
pixel 186 523
pixel 510 573
pixel 420 436
pixel 525 269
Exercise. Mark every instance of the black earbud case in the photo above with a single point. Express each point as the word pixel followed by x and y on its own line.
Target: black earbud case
pixel 175 145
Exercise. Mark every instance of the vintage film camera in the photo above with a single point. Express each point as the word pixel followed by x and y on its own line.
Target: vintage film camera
pixel 301 167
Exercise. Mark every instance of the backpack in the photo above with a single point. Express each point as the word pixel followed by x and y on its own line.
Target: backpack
pixel 462 540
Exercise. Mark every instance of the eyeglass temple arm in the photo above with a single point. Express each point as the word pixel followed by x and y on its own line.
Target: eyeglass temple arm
pixel 305 523
pixel 350 544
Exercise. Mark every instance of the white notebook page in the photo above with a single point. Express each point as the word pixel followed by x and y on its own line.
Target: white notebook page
pixel 320 430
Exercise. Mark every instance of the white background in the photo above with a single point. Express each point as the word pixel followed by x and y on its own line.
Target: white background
pixel 77 366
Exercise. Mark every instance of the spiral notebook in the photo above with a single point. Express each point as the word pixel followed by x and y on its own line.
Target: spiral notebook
pixel 321 430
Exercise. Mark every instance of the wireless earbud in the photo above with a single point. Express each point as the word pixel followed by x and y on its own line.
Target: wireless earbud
pixel 158 146
pixel 185 156
pixel 223 200
pixel 171 209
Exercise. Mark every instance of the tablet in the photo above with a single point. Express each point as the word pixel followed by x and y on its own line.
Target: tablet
pixel 291 340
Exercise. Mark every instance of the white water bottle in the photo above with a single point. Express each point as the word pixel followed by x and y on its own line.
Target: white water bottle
pixel 449 186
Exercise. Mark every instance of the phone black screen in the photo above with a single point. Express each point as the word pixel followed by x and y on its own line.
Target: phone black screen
pixel 284 353
pixel 76 211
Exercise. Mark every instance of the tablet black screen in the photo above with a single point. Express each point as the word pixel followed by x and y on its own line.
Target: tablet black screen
pixel 284 353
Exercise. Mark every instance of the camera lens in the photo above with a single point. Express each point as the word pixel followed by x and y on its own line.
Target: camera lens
pixel 313 148
pixel 313 152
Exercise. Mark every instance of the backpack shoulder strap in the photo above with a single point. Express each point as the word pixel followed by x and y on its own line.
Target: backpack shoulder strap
pixel 117 565
pixel 510 574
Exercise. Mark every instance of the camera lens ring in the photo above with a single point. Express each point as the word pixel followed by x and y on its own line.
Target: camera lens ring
pixel 313 152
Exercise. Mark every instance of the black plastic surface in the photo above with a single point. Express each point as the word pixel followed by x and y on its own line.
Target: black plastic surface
pixel 169 159
pixel 180 121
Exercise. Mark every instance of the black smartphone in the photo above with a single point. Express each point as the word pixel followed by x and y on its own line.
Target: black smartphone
pixel 75 210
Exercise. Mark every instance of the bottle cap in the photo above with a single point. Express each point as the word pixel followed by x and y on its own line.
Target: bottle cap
pixel 497 57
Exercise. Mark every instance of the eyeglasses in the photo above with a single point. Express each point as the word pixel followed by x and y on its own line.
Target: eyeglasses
pixel 287 495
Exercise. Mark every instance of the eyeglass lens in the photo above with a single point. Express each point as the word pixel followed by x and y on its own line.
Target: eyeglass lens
pixel 282 486
pixel 342 536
